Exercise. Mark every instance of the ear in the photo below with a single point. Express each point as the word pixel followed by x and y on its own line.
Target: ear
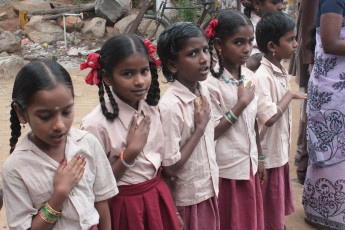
pixel 271 46
pixel 106 78
pixel 172 66
pixel 20 113
pixel 217 44
pixel 256 5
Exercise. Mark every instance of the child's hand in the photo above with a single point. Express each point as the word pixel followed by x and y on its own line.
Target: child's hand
pixel 246 94
pixel 202 113
pixel 262 172
pixel 180 221
pixel 68 174
pixel 298 95
pixel 137 137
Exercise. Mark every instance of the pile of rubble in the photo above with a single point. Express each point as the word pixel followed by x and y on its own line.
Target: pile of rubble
pixel 60 32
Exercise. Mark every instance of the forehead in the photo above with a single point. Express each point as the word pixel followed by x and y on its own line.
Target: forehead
pixel 135 60
pixel 244 32
pixel 194 42
pixel 59 96
pixel 289 34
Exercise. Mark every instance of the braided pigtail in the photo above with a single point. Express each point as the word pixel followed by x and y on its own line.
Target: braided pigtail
pixel 153 95
pixel 248 11
pixel 15 128
pixel 220 60
pixel 101 86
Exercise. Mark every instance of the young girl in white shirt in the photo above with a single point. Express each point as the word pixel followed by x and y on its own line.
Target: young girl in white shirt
pixel 57 177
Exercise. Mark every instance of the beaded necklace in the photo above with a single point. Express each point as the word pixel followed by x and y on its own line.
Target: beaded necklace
pixel 235 82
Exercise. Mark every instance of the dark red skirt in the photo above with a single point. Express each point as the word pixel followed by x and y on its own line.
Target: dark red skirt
pixel 144 206
pixel 277 197
pixel 201 216
pixel 240 204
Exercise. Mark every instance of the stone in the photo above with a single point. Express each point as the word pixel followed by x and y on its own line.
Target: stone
pixel 41 31
pixel 112 10
pixel 19 33
pixel 9 42
pixel 120 26
pixel 95 27
pixel 32 5
pixel 4 54
pixel 110 31
pixel 72 23
pixel 73 52
pixel 10 66
pixel 38 56
pixel 3 16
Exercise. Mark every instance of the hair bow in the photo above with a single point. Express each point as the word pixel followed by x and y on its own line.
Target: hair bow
pixel 151 49
pixel 92 62
pixel 210 31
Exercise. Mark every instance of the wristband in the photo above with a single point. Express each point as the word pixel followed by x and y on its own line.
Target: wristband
pixel 279 109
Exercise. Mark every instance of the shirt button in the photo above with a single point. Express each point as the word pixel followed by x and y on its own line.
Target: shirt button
pixel 73 193
pixel 84 221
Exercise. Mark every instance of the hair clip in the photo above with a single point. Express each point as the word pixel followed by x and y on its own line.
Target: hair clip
pixel 92 62
pixel 211 30
pixel 151 49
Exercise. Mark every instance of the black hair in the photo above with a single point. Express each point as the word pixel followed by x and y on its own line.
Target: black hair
pixel 249 6
pixel 272 27
pixel 35 76
pixel 114 50
pixel 228 23
pixel 171 40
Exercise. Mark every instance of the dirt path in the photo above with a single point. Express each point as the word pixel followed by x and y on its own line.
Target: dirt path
pixel 86 99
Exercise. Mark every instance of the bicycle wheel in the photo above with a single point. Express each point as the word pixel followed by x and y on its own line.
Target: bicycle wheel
pixel 149 28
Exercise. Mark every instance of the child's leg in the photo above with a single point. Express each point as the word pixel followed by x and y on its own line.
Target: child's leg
pixel 202 216
pixel 240 204
pixel 277 197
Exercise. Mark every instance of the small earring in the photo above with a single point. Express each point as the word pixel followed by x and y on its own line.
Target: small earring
pixel 257 9
pixel 274 53
pixel 23 125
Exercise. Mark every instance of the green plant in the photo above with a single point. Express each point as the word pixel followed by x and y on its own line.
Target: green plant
pixel 187 15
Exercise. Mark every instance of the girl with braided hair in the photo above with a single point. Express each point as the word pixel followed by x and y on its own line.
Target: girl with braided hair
pixel 238 150
pixel 129 128
pixel 57 176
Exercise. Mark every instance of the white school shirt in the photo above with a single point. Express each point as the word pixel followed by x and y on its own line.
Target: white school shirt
pixel 236 148
pixel 272 83
pixel 28 182
pixel 197 180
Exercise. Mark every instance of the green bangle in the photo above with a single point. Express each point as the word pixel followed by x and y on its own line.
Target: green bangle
pixel 231 118
pixel 47 213
pixel 261 158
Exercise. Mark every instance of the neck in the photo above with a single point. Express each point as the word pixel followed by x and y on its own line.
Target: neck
pixel 274 60
pixel 234 70
pixel 191 85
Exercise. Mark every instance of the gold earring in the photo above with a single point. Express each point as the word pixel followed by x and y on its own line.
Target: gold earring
pixel 23 124
pixel 257 9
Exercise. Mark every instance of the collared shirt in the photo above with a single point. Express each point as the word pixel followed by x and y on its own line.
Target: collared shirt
pixel 197 179
pixel 272 83
pixel 28 182
pixel 113 135
pixel 236 148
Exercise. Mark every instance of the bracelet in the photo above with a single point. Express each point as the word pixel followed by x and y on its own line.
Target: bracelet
pixel 261 158
pixel 231 117
pixel 281 111
pixel 47 217
pixel 51 210
pixel 124 162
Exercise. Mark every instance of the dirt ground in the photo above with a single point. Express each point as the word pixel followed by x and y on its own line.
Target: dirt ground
pixel 86 99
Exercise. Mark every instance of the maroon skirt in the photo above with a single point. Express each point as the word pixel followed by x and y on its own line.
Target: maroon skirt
pixel 144 206
pixel 201 216
pixel 277 197
pixel 240 204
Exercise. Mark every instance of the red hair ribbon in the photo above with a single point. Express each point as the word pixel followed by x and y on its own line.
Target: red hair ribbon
pixel 151 49
pixel 210 31
pixel 92 62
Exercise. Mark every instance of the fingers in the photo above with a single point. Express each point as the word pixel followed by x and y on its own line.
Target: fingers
pixel 62 165
pixel 145 123
pixel 133 125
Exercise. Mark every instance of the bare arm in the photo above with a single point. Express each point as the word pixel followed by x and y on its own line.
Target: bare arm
pixel 330 26
pixel 284 103
pixel 104 215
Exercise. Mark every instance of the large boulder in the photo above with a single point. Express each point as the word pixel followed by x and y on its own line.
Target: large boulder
pixel 120 26
pixel 43 31
pixel 9 42
pixel 10 66
pixel 112 10
pixel 95 27
pixel 32 5
pixel 72 23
